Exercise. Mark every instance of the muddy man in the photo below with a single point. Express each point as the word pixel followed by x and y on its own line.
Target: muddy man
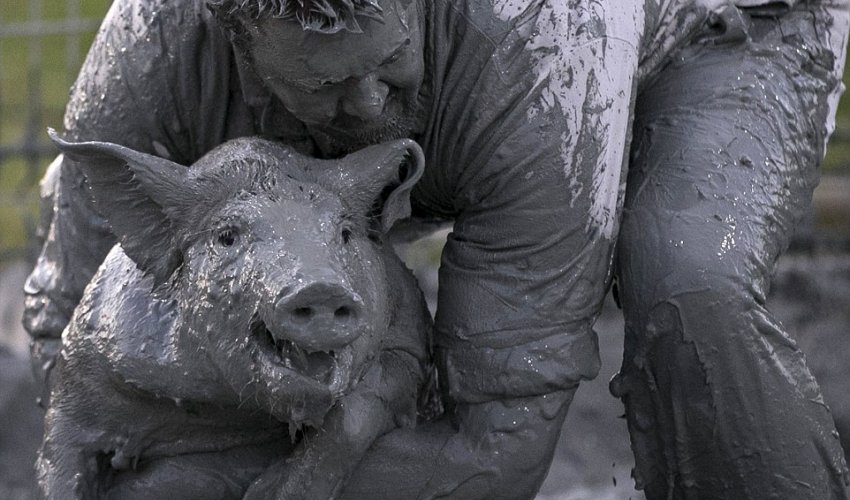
pixel 670 143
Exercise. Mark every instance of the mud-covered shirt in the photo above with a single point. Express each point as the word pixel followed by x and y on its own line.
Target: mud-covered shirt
pixel 529 107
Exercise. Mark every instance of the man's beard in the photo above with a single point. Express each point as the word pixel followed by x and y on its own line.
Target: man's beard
pixel 348 135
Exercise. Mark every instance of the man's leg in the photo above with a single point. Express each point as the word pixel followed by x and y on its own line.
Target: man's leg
pixel 719 400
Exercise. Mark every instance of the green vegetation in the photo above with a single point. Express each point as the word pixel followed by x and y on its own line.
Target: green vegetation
pixel 837 159
pixel 34 82
pixel 36 75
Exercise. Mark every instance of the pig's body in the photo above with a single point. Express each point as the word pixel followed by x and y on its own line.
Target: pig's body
pixel 221 344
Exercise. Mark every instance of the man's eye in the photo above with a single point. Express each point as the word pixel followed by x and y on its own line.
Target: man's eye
pixel 393 58
pixel 313 88
pixel 290 85
pixel 399 53
pixel 301 88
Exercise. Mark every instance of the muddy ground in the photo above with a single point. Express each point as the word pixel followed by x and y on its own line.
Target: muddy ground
pixel 593 460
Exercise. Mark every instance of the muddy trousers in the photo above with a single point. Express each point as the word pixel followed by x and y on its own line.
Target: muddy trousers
pixel 727 140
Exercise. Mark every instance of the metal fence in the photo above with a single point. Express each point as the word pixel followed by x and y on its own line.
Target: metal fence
pixel 42 45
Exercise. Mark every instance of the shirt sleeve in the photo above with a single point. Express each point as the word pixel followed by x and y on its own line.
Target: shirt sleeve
pixel 528 157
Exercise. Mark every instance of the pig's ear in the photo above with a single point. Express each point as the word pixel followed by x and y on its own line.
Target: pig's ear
pixel 140 195
pixel 378 179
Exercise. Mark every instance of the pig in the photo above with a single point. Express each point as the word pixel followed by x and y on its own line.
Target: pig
pixel 251 303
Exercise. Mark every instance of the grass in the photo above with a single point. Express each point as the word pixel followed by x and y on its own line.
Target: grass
pixel 60 57
pixel 32 97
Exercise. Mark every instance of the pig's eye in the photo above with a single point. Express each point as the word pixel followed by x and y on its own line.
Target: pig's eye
pixel 346 235
pixel 227 237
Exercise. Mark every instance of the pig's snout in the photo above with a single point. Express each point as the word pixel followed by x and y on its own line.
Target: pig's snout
pixel 320 316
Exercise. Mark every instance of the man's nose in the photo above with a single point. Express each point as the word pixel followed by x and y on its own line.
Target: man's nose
pixel 365 98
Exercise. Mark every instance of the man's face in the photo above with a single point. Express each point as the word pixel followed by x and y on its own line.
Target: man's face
pixel 351 89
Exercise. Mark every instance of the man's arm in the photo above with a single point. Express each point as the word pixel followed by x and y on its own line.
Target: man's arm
pixel 537 182
pixel 76 240
pixel 467 455
pixel 497 450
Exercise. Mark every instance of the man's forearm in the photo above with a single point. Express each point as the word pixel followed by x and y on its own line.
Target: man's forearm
pixel 495 450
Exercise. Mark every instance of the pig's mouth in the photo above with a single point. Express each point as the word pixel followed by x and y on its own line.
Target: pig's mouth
pixel 331 368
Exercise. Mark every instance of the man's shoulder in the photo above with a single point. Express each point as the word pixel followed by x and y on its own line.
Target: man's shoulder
pixel 160 42
pixel 148 21
pixel 492 19
pixel 157 64
pixel 141 9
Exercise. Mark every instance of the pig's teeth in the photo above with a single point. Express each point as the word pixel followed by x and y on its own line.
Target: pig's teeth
pixel 282 347
pixel 300 356
pixel 341 374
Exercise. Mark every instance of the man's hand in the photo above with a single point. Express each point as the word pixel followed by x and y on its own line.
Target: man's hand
pixel 327 455
pixel 221 475
pixel 495 450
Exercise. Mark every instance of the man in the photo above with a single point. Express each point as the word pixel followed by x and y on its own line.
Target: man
pixel 525 110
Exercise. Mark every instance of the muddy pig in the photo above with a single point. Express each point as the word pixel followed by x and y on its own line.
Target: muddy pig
pixel 249 305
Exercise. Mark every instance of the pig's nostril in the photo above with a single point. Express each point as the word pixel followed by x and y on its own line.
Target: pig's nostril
pixel 342 313
pixel 302 313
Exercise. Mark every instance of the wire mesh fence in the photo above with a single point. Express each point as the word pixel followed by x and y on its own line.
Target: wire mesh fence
pixel 42 45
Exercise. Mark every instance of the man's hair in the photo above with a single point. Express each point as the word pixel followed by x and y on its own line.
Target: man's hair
pixel 324 16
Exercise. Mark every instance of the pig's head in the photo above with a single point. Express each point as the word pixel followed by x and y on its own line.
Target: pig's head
pixel 275 259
